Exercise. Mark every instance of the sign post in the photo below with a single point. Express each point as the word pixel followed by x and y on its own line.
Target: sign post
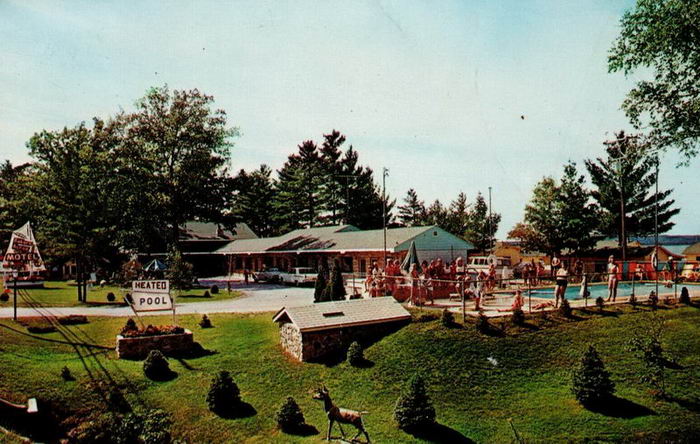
pixel 15 275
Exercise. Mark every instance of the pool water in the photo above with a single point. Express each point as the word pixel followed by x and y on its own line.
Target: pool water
pixel 623 289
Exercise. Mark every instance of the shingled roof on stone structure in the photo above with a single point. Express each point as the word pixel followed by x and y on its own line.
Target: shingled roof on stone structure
pixel 340 314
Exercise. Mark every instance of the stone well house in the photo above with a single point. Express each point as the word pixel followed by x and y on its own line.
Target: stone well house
pixel 312 332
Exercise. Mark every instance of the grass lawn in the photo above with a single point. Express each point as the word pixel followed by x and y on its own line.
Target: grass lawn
pixel 65 294
pixel 474 399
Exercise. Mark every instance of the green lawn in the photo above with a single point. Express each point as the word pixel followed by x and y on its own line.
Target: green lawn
pixel 475 399
pixel 65 294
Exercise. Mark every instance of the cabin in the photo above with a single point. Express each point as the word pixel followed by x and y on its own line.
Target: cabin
pixel 314 332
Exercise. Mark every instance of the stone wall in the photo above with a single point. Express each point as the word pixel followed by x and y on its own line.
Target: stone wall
pixel 138 347
pixel 314 346
pixel 290 339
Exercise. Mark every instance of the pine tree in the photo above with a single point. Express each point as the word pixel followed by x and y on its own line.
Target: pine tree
pixel 457 219
pixel 481 229
pixel 414 409
pixel 626 164
pixel 289 417
pixel 223 396
pixel 321 282
pixel 436 214
pixel 591 382
pixel 412 212
pixel 335 290
pixel 179 272
pixel 252 202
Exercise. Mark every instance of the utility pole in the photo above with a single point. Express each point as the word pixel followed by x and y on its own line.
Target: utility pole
pixel 490 225
pixel 385 173
pixel 656 227
pixel 15 276
pixel 622 217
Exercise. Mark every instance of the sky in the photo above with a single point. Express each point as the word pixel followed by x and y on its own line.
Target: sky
pixel 450 96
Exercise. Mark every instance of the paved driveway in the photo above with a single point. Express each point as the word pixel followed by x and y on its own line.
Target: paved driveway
pixel 256 298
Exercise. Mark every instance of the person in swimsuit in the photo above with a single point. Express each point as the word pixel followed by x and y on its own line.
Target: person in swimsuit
pixel 562 280
pixel 613 270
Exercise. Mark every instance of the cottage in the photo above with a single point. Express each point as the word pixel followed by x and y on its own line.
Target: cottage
pixel 354 249
pixel 312 332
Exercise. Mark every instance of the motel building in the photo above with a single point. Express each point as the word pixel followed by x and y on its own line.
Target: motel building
pixel 354 249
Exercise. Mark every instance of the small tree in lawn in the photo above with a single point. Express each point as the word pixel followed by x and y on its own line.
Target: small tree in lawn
pixel 414 409
pixel 289 417
pixel 335 290
pixel 321 282
pixel 224 395
pixel 156 366
pixel 591 382
pixel 179 271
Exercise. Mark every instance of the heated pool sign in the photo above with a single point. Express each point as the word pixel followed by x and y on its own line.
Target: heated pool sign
pixel 151 295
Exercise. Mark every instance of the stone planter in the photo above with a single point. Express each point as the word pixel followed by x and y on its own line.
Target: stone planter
pixel 138 347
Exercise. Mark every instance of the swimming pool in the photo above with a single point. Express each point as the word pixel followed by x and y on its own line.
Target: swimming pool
pixel 623 289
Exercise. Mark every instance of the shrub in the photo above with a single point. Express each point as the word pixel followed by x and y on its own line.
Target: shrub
pixel 205 322
pixel 448 318
pixel 565 308
pixel 426 317
pixel 179 271
pixel 66 374
pixel 289 417
pixel 214 289
pixel 156 366
pixel 646 345
pixel 685 296
pixel 653 299
pixel 600 302
pixel 206 294
pixel 335 289
pixel 414 409
pixel 73 320
pixel 482 323
pixel 151 330
pixel 4 296
pixel 146 427
pixel 40 327
pixel 130 326
pixel 632 300
pixel 224 395
pixel 518 317
pixel 154 426
pixel 111 297
pixel 591 382
pixel 356 355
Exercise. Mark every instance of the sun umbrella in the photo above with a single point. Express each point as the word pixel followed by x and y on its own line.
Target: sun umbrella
pixel 411 258
pixel 584 288
pixel 155 265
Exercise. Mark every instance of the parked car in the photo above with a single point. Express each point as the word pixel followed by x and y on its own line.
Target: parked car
pixel 269 275
pixel 482 263
pixel 298 276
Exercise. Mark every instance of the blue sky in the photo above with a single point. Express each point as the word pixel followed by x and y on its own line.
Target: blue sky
pixel 434 91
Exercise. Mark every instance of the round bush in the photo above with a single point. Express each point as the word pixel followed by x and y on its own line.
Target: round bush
pixel 482 323
pixel 518 317
pixel 111 297
pixel 156 366
pixel 413 409
pixel 206 294
pixel 632 300
pixel 4 297
pixel 224 395
pixel 214 289
pixel 66 374
pixel 289 417
pixel 130 326
pixel 600 302
pixel 685 296
pixel 205 322
pixel 448 318
pixel 591 382
pixel 356 355
pixel 565 309
pixel 653 299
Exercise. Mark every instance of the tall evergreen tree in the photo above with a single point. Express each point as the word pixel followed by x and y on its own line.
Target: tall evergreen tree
pixel 298 198
pixel 627 174
pixel 457 219
pixel 412 212
pixel 252 202
pixel 481 228
pixel 436 214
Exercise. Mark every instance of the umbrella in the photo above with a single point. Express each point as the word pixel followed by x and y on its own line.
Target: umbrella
pixel 584 288
pixel 155 265
pixel 411 258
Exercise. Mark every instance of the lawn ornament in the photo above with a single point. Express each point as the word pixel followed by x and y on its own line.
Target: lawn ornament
pixel 340 415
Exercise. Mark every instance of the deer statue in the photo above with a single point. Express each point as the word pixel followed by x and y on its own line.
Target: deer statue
pixel 341 416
